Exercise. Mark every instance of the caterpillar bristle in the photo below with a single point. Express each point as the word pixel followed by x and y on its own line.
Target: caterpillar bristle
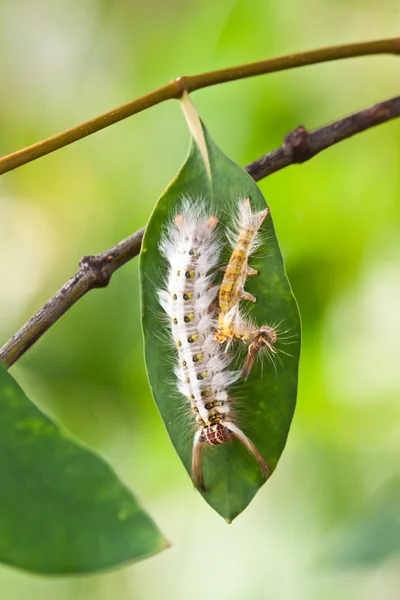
pixel 197 461
pixel 252 448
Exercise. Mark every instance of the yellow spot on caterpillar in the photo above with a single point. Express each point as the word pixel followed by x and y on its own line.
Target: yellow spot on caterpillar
pixel 212 404
pixel 214 417
pixel 202 376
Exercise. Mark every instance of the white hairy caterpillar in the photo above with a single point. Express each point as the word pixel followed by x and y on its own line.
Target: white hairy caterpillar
pixel 245 239
pixel 203 377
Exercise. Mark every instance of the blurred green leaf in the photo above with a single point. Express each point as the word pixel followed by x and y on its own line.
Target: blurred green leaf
pixel 373 534
pixel 62 508
pixel 268 398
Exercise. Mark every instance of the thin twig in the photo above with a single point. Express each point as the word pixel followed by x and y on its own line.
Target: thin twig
pixel 191 83
pixel 96 271
pixel 301 145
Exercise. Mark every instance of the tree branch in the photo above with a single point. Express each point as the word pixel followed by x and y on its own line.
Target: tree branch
pixel 301 145
pixel 191 83
pixel 96 271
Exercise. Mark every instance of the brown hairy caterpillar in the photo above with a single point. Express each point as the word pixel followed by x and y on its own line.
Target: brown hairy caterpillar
pixel 202 371
pixel 231 323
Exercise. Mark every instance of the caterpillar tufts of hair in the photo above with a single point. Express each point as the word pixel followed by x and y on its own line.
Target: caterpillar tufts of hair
pixel 232 325
pixel 191 248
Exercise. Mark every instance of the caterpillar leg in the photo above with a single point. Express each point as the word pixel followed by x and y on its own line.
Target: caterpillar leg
pixel 249 297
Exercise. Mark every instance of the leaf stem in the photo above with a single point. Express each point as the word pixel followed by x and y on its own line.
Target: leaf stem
pixel 175 89
pixel 195 127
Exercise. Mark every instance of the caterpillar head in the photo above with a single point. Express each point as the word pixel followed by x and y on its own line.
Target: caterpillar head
pixel 263 339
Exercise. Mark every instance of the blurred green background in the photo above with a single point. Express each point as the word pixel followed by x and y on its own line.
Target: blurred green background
pixel 324 526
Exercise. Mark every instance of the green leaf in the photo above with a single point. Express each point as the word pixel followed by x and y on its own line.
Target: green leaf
pixel 268 398
pixel 62 508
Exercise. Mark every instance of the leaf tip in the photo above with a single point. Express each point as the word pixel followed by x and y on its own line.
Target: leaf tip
pixel 165 544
